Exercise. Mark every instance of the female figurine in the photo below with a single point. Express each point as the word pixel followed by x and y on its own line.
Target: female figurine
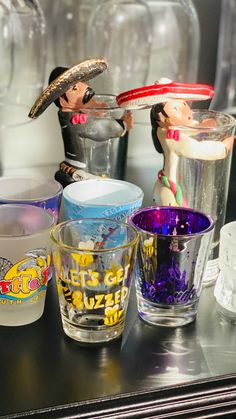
pixel 169 110
pixel 174 143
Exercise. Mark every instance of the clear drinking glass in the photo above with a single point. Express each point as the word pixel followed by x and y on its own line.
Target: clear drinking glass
pixel 69 20
pixel 6 49
pixel 121 31
pixel 204 173
pixel 173 249
pixel 100 142
pixel 94 260
pixel 224 98
pixel 174 53
pixel 24 263
pixel 23 29
pixel 38 191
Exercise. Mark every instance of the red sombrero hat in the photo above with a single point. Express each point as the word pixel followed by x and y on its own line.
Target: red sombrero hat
pixel 147 96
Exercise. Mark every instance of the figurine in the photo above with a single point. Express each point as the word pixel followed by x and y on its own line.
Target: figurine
pixel 68 90
pixel 169 110
pixel 173 144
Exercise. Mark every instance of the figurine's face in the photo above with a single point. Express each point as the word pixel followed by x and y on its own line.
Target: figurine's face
pixel 76 97
pixel 178 113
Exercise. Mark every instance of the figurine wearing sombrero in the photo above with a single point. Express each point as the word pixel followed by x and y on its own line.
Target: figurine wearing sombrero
pixel 170 110
pixel 71 94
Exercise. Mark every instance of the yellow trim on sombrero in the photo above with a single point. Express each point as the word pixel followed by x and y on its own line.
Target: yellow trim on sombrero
pixel 84 71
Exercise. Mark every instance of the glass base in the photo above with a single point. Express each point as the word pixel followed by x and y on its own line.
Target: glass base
pixel 90 334
pixel 226 314
pixel 166 315
pixel 21 314
pixel 211 272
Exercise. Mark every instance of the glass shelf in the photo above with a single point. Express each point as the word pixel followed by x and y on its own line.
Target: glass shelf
pixel 149 372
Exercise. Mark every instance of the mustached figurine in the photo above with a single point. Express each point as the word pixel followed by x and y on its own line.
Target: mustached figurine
pixel 169 110
pixel 69 91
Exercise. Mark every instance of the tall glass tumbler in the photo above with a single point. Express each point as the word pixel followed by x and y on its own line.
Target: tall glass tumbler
pixel 94 260
pixel 173 250
pixel 23 59
pixel 203 171
pixel 24 263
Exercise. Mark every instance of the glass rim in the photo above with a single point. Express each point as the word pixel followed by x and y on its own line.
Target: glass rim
pixel 58 191
pixel 230 124
pixel 102 108
pixel 116 181
pixel 36 209
pixel 208 217
pixel 225 230
pixel 10 105
pixel 60 244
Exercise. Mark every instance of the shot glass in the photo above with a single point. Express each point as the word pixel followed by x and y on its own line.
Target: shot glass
pixel 173 249
pixel 101 198
pixel 37 191
pixel 93 260
pixel 24 263
pixel 225 289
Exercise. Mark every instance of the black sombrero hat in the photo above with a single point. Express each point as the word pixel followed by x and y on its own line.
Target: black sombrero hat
pixel 83 72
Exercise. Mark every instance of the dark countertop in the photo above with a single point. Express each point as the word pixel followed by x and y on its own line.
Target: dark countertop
pixel 41 368
pixel 149 372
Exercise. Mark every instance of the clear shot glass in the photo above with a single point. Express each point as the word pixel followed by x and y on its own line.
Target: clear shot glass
pixel 94 261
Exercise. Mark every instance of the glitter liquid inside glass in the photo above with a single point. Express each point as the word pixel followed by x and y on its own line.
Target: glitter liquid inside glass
pixel 94 260
pixel 173 250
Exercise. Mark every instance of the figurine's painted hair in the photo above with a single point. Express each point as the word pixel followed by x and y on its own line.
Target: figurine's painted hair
pixel 154 115
pixel 56 72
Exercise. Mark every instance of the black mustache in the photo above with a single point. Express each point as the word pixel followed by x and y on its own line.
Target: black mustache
pixel 89 93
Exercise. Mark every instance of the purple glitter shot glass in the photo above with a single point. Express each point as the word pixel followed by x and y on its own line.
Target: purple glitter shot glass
pixel 173 250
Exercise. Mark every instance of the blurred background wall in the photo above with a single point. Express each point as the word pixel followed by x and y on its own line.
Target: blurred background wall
pixel 36 147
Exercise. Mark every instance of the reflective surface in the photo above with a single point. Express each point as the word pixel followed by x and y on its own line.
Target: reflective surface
pixel 145 358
